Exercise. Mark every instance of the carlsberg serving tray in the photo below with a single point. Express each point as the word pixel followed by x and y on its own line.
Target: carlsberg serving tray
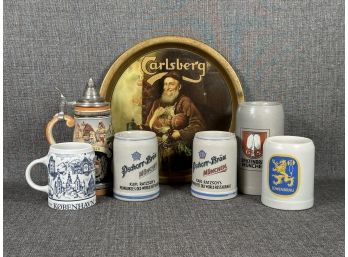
pixel 174 86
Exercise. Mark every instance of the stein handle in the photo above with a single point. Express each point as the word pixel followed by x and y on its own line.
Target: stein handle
pixel 43 160
pixel 70 122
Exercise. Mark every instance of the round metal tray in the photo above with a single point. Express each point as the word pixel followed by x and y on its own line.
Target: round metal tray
pixel 134 86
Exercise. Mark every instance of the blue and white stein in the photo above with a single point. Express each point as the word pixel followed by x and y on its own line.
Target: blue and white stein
pixel 71 176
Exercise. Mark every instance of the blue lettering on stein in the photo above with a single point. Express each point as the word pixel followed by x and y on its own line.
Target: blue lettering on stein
pixel 283 175
pixel 213 160
pixel 137 166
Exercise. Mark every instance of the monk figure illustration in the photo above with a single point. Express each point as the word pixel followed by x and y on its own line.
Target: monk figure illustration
pixel 175 119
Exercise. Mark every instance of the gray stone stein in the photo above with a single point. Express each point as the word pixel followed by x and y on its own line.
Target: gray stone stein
pixel 256 121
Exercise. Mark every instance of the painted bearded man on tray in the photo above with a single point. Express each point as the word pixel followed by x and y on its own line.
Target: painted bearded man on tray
pixel 174 118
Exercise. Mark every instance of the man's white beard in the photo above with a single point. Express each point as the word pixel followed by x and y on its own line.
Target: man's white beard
pixel 169 99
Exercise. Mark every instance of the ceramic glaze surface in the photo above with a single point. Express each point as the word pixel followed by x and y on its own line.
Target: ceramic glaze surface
pixel 97 132
pixel 214 165
pixel 136 175
pixel 71 176
pixel 288 173
pixel 256 121
pixel 71 180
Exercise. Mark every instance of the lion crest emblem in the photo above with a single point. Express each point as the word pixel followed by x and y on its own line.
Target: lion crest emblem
pixel 284 173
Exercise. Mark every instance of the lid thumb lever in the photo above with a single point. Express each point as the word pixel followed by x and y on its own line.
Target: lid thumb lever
pixel 62 104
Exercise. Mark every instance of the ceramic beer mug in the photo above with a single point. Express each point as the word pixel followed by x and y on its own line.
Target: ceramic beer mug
pixel 71 176
pixel 255 122
pixel 136 175
pixel 288 173
pixel 214 165
pixel 92 124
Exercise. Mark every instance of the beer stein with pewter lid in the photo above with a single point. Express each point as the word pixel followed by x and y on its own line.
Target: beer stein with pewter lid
pixel 92 124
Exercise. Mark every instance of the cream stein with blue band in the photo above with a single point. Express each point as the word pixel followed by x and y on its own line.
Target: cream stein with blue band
pixel 214 165
pixel 136 175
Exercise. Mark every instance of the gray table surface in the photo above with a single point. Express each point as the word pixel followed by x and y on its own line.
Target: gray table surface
pixel 175 224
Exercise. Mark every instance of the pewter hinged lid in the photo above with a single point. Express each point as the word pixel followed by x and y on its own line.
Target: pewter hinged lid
pixel 91 97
